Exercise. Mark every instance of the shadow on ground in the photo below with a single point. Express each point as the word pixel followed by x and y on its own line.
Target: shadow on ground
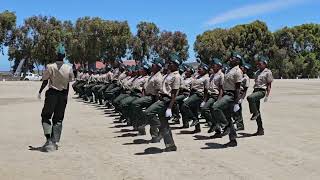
pixel 138 141
pixel 213 146
pixel 151 150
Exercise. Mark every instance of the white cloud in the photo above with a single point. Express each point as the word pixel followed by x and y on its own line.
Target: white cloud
pixel 252 10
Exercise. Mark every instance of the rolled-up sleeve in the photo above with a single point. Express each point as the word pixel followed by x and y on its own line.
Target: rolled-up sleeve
pixel 46 74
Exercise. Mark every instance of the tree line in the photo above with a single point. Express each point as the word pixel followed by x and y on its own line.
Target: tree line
pixel 292 51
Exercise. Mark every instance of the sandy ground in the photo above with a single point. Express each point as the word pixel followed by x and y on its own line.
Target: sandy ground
pixel 94 147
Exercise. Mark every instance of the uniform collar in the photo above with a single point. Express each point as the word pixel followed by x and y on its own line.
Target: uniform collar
pixel 175 72
pixel 59 62
pixel 219 72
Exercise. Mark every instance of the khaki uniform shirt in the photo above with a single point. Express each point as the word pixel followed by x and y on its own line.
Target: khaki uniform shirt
pixel 215 82
pixel 170 82
pixel 128 83
pixel 263 78
pixel 234 76
pixel 186 83
pixel 59 75
pixel 245 82
pixel 138 84
pixel 200 83
pixel 121 77
pixel 79 75
pixel 103 77
pixel 116 74
pixel 153 84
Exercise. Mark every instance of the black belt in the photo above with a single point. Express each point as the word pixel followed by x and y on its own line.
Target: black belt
pixel 229 92
pixel 259 89
pixel 64 91
pixel 165 95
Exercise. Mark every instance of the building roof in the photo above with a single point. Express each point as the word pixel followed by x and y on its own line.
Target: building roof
pixel 101 65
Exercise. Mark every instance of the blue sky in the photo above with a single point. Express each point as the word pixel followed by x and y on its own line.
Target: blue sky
pixel 191 17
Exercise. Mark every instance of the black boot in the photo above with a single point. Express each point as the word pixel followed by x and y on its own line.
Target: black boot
pixel 232 143
pixel 255 116
pixel 197 129
pixel 260 132
pixel 194 122
pixel 170 148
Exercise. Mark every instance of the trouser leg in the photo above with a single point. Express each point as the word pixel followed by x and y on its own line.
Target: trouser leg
pixel 205 111
pixel 189 108
pixel 47 112
pixel 221 112
pixel 58 116
pixel 151 116
pixel 137 111
pixel 254 100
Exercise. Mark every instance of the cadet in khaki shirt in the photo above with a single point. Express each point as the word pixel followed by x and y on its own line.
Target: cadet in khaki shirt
pixel 221 110
pixel 150 93
pixel 58 75
pixel 215 92
pixel 127 85
pixel 168 92
pixel 184 92
pixel 190 107
pixel 114 88
pixel 100 84
pixel 136 92
pixel 243 92
pixel 262 88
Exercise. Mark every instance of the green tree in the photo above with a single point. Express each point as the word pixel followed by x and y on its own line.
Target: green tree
pixel 210 44
pixel 7 25
pixel 148 34
pixel 169 43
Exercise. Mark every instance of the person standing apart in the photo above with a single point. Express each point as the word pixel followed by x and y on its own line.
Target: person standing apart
pixel 58 75
pixel 262 88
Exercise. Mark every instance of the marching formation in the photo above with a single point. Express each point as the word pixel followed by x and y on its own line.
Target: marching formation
pixel 168 90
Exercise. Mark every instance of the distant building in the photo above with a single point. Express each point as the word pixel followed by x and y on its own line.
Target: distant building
pixel 101 65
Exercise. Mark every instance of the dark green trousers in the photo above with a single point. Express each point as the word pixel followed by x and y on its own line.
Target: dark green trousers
pixel 137 106
pixel 178 105
pixel 112 94
pixel 159 108
pixel 117 100
pixel 125 108
pixel 88 89
pixel 80 88
pixel 254 104
pixel 100 91
pixel 54 107
pixel 190 108
pixel 222 112
pixel 95 90
pixel 206 111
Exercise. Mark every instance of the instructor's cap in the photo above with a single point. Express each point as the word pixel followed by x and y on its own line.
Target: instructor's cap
pixel 61 49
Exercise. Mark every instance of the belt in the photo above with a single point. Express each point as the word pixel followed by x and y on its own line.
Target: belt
pixel 58 91
pixel 165 95
pixel 229 92
pixel 259 89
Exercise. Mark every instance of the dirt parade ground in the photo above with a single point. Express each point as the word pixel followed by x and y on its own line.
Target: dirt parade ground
pixel 94 146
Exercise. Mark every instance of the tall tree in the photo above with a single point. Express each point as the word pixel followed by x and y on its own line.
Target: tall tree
pixel 175 42
pixel 210 44
pixel 148 34
pixel 7 25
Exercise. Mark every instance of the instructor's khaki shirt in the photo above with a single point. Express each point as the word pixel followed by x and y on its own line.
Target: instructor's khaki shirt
pixel 59 75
